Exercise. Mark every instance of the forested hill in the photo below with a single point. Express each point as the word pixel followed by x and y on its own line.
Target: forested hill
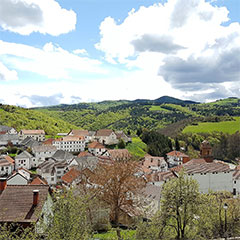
pixel 142 113
pixel 21 118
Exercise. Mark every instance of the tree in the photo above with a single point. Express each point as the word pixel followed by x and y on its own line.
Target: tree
pixel 117 185
pixel 177 145
pixel 178 211
pixel 121 144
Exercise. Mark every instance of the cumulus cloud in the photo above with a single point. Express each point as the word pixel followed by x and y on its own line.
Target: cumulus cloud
pixel 6 74
pixel 51 60
pixel 27 16
pixel 186 40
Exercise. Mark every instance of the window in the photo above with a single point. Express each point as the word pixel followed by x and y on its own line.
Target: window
pixel 235 182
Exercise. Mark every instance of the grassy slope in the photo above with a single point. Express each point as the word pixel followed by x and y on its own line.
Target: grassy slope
pixel 226 127
pixel 21 118
pixel 111 235
pixel 137 148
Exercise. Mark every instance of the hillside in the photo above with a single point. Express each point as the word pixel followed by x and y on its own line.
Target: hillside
pixel 142 113
pixel 21 118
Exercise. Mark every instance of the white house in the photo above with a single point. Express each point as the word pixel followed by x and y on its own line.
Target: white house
pixel 96 148
pixel 43 152
pixel 70 143
pixel 176 158
pixel 81 133
pixel 17 179
pixel 7 130
pixel 106 137
pixel 155 164
pixel 6 165
pixel 25 160
pixel 38 135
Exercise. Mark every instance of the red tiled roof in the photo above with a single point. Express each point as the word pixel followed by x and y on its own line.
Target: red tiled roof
pixel 83 154
pixel 49 141
pixel 71 175
pixel 9 159
pixel 95 145
pixel 104 132
pixel 33 132
pixel 119 154
pixel 38 181
pixel 177 154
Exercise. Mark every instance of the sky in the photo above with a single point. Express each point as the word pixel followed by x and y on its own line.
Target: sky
pixel 70 51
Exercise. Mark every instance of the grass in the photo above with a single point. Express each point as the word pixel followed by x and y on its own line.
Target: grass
pixel 111 235
pixel 137 147
pixel 180 109
pixel 225 127
pixel 158 108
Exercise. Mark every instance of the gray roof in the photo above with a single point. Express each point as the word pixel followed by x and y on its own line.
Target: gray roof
pixel 4 128
pixel 8 137
pixel 44 148
pixel 47 166
pixel 89 162
pixel 30 142
pixel 24 154
pixel 152 191
pixel 62 155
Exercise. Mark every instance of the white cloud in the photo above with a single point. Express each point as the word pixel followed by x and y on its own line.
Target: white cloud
pixel 51 61
pixel 179 31
pixel 44 16
pixel 80 51
pixel 6 74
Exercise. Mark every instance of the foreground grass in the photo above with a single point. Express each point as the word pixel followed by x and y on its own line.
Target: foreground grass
pixel 137 147
pixel 111 235
pixel 225 127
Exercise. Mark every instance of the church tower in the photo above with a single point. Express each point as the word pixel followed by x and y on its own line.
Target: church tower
pixel 206 151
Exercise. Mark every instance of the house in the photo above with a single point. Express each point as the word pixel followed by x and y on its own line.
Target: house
pixel 38 181
pixel 6 165
pixel 118 154
pixel 29 142
pixel 71 178
pixel 123 136
pixel 6 139
pixel 43 152
pixel 38 135
pixel 70 143
pixel 24 204
pixel 84 133
pixel 25 160
pixel 52 170
pixel 27 174
pixel 84 162
pixel 17 178
pixel 106 137
pixel 7 130
pixel 176 158
pixel 159 178
pixel 61 155
pixel 157 164
pixel 96 148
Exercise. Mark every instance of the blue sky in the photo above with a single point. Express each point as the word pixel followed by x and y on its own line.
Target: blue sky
pixel 58 51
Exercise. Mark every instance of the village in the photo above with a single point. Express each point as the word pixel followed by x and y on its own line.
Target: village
pixel 48 165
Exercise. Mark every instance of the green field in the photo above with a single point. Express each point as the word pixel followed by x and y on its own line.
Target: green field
pixel 158 108
pixel 225 126
pixel 111 235
pixel 137 148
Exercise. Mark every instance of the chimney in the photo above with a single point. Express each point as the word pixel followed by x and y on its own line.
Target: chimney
pixel 35 197
pixel 3 184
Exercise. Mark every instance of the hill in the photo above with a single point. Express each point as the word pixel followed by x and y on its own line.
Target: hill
pixel 155 114
pixel 21 118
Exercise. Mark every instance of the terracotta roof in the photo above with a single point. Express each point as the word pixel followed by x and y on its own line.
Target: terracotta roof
pixel 236 175
pixel 104 132
pixel 119 154
pixel 83 154
pixel 196 161
pixel 38 181
pixel 177 154
pixel 6 160
pixel 49 141
pixel 95 145
pixel 71 175
pixel 33 132
pixel 79 132
pixel 162 176
pixel 16 203
pixel 70 138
